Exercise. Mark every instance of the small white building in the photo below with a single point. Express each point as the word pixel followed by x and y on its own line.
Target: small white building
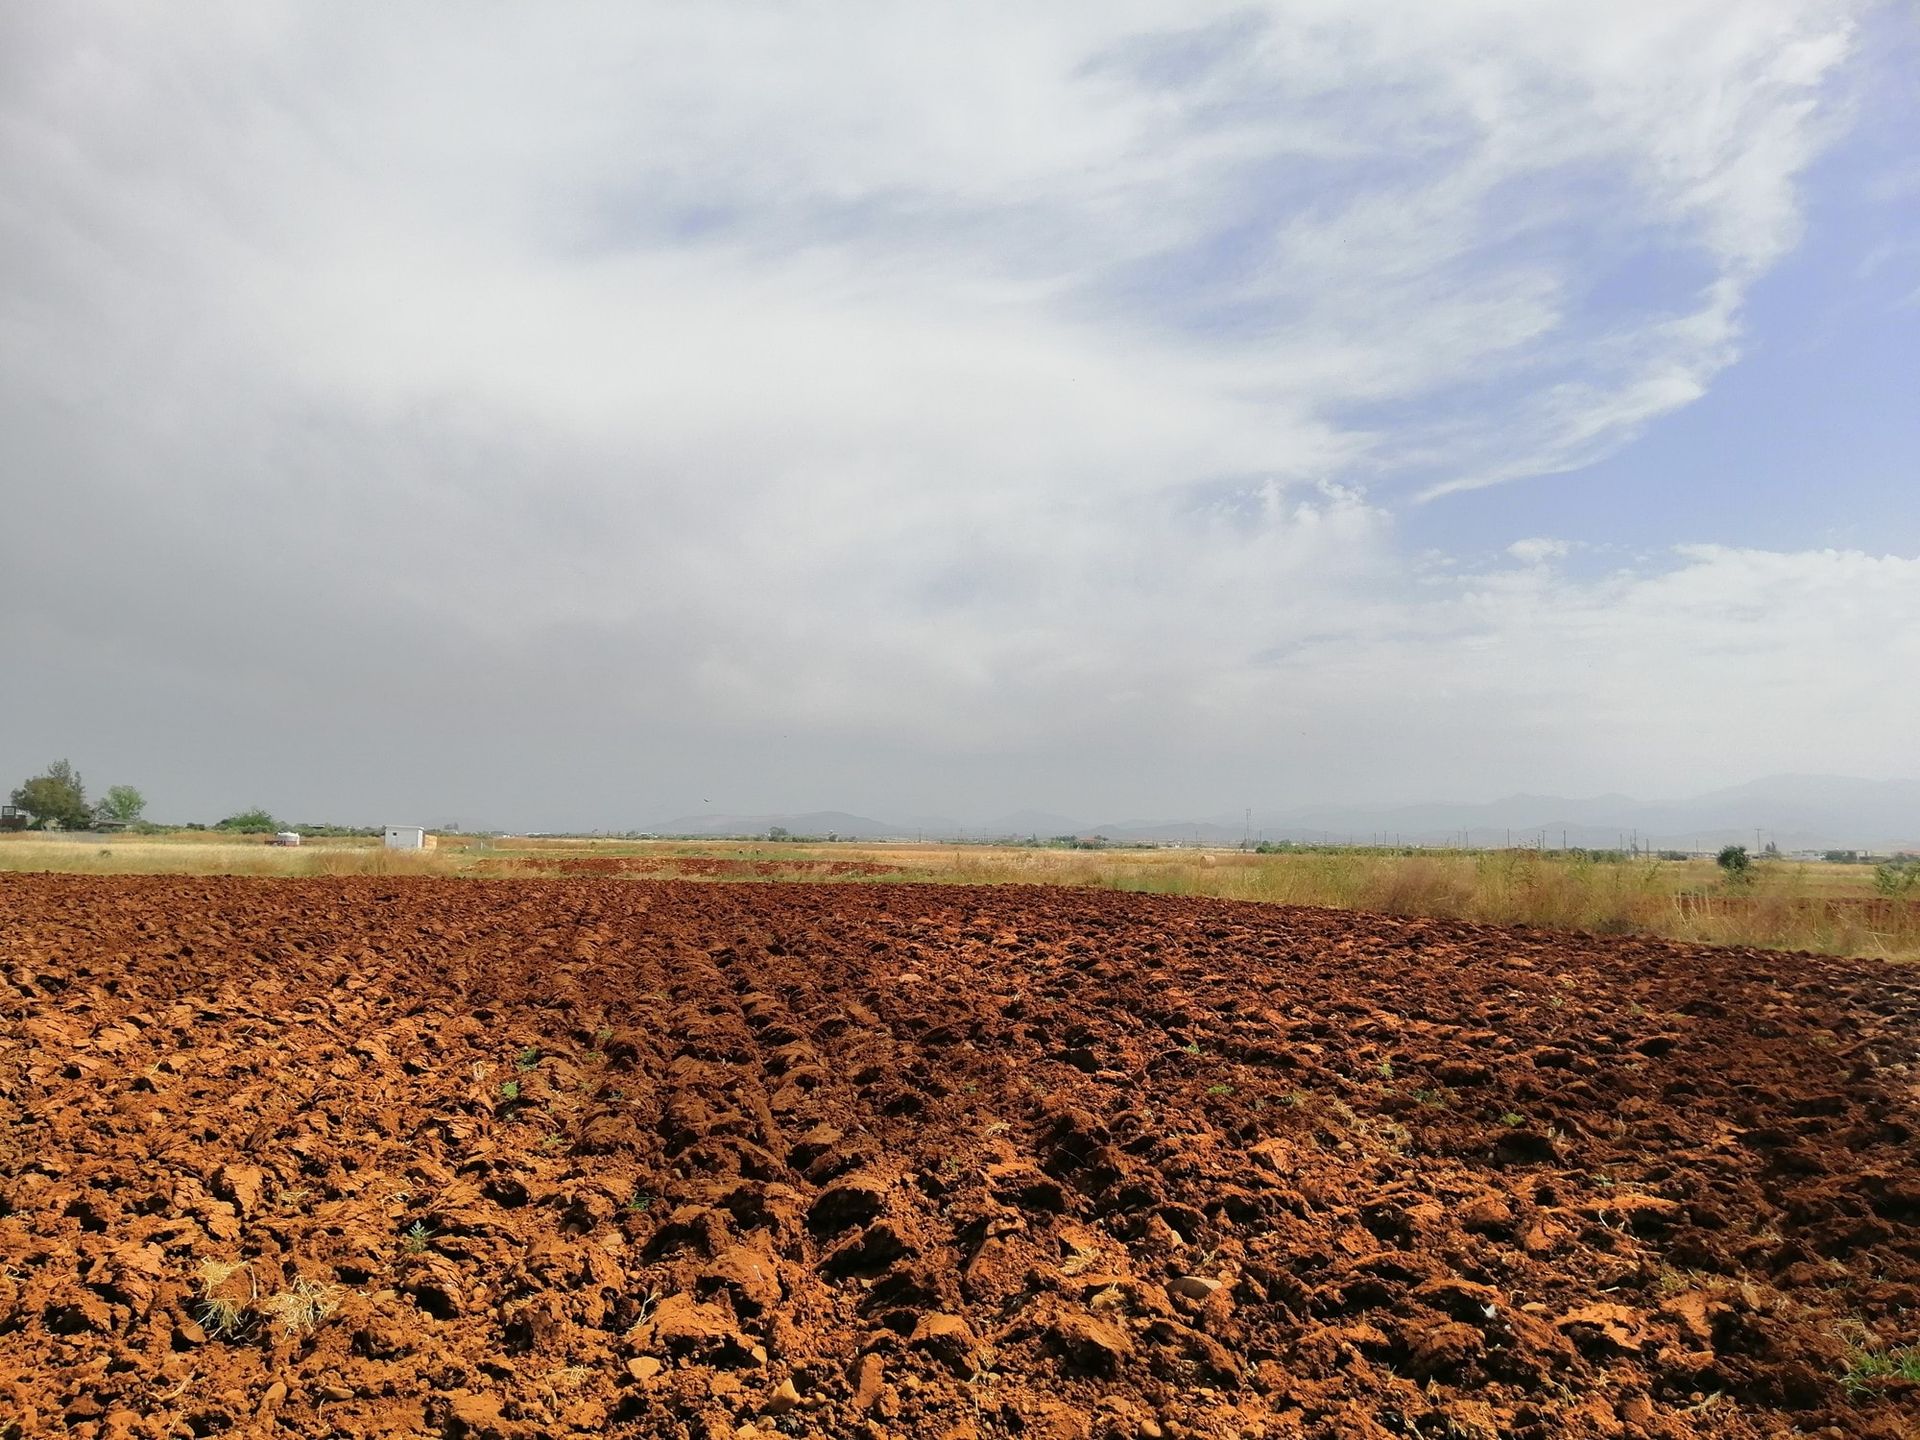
pixel 287 837
pixel 406 837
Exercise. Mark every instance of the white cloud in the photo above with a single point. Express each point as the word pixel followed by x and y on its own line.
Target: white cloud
pixel 938 375
pixel 1538 550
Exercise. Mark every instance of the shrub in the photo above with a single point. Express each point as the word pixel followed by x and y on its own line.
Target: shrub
pixel 1898 877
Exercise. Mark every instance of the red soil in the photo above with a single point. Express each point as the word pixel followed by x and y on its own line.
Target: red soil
pixel 667 1159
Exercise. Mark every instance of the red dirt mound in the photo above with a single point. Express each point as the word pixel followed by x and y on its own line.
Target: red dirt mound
pixel 368 1156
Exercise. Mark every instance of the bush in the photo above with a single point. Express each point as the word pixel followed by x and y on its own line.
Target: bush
pixel 249 822
pixel 1735 861
pixel 1898 877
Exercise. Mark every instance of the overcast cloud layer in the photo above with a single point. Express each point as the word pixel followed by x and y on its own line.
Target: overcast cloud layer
pixel 578 415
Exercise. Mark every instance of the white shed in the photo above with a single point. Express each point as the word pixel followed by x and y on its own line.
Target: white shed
pixel 287 837
pixel 406 837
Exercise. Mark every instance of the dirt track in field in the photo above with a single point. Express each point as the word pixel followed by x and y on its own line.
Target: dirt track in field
pixel 673 1159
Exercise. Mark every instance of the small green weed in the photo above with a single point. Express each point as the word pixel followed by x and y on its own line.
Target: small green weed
pixel 417 1238
pixel 1867 1368
pixel 509 1089
pixel 527 1058
pixel 1512 1119
pixel 1219 1089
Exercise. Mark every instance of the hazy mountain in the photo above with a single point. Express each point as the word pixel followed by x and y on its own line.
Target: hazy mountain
pixel 1796 812
pixel 813 822
pixel 1023 823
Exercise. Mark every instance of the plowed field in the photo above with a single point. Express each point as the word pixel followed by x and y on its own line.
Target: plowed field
pixel 550 1157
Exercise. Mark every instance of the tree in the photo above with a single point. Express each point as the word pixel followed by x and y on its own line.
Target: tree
pixel 55 798
pixel 122 803
pixel 250 822
pixel 1734 860
pixel 779 832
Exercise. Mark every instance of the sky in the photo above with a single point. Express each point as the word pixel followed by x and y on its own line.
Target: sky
pixel 580 415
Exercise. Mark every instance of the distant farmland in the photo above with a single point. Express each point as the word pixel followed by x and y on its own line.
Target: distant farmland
pixel 1824 908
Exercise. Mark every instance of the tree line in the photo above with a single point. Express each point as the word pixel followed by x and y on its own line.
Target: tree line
pixel 57 800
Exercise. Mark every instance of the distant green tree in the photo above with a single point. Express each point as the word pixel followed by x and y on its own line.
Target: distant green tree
pixel 55 798
pixel 1735 861
pixel 779 832
pixel 122 803
pixel 250 822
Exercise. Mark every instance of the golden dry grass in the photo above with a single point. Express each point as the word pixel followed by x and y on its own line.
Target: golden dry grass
pixel 193 853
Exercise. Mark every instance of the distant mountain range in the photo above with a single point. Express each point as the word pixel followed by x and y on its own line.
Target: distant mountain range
pixel 1795 812
pixel 813 822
